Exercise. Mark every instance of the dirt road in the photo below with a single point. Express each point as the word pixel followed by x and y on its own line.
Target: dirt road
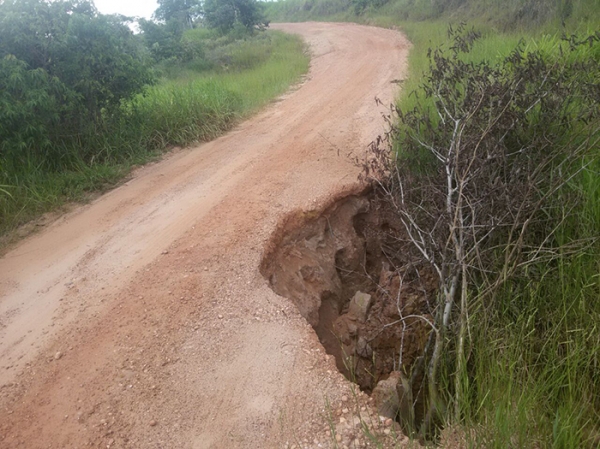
pixel 141 320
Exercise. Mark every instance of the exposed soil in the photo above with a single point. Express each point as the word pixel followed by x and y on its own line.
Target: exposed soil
pixel 348 272
pixel 141 320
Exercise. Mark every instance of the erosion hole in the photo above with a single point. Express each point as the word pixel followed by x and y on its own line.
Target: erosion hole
pixel 344 269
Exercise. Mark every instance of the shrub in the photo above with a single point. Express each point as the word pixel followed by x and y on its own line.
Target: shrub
pixel 482 178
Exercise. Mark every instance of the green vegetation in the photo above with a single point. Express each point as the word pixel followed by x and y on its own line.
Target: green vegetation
pixel 506 15
pixel 85 99
pixel 186 12
pixel 225 14
pixel 503 154
pixel 530 368
pixel 520 362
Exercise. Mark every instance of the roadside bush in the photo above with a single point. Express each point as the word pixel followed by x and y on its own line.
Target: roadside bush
pixel 30 109
pixel 64 69
pixel 486 178
pixel 194 101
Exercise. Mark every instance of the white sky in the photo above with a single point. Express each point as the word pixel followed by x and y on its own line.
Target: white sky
pixel 138 8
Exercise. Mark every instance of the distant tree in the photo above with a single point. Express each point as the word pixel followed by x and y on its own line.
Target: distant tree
pixel 31 103
pixel 185 12
pixel 163 39
pixel 224 14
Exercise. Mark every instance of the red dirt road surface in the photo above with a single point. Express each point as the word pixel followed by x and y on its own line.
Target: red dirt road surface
pixel 142 321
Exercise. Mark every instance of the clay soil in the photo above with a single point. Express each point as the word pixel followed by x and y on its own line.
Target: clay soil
pixel 142 320
pixel 353 276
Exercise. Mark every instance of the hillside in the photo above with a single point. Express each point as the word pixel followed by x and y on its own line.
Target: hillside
pixel 510 15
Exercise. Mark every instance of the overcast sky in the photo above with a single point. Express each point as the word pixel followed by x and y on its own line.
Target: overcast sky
pixel 139 8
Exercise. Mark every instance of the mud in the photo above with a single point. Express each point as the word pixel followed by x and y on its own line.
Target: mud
pixel 346 270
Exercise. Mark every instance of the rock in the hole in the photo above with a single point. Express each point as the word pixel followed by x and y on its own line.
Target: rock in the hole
pixel 352 328
pixel 385 276
pixel 344 329
pixel 360 305
pixel 385 395
pixel 363 348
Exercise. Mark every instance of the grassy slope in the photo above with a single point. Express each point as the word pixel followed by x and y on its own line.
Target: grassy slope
pixel 535 370
pixel 186 108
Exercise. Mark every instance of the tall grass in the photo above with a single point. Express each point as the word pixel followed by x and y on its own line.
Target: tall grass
pixel 186 107
pixel 537 367
pixel 534 366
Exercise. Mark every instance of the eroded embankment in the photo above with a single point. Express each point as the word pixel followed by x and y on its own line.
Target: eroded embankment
pixel 345 270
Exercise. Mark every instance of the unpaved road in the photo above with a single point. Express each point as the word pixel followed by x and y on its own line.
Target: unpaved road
pixel 141 320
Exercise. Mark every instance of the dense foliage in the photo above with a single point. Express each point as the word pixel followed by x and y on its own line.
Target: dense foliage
pixel 225 14
pixel 63 69
pixel 187 12
pixel 485 171
pixel 82 97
